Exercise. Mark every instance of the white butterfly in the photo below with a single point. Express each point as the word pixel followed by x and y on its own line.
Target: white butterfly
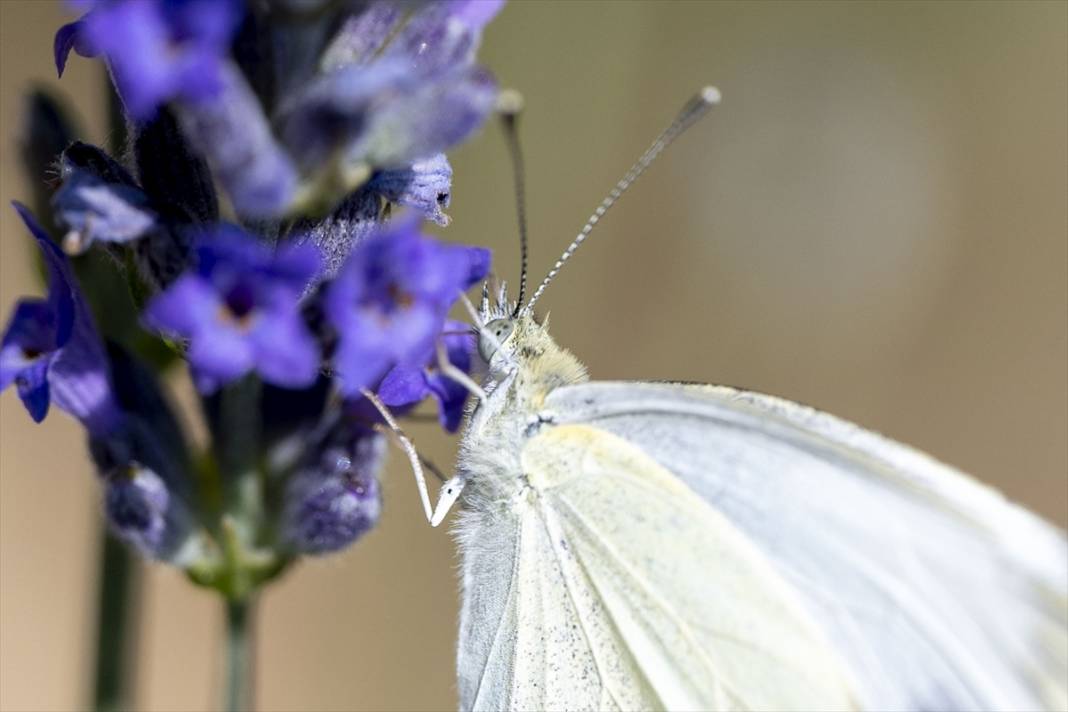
pixel 666 546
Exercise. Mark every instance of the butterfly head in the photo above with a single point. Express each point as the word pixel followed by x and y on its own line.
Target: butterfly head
pixel 513 343
pixel 498 336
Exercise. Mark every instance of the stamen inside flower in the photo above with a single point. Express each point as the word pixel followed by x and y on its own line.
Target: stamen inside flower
pixel 400 297
pixel 239 307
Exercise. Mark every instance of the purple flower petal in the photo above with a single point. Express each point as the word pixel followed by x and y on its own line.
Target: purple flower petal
pixel 475 13
pixel 69 37
pixel 285 351
pixel 159 51
pixel 404 385
pixel 32 385
pixel 239 309
pixel 388 106
pixel 60 297
pixel 357 364
pixel 441 36
pixel 388 302
pixel 94 210
pixel 333 111
pixel 451 397
pixel 27 350
pixel 426 120
pixel 478 265
pixel 222 355
pixel 408 384
pixel 135 38
pixel 235 137
pixel 182 308
pixel 208 23
pixel 77 371
pixel 80 380
pixel 32 327
pixel 361 36
pixel 425 186
pixel 296 265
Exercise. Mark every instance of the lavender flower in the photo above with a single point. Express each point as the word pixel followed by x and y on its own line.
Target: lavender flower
pixel 313 118
pixel 392 91
pixel 239 310
pixel 99 201
pixel 51 351
pixel 158 50
pixel 407 384
pixel 388 105
pixel 335 499
pixel 236 137
pixel 389 301
pixel 94 208
pixel 425 186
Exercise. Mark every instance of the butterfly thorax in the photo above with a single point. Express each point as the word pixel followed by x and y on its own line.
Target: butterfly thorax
pixel 525 367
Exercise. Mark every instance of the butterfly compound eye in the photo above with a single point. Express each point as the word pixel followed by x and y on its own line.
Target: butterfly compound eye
pixel 493 334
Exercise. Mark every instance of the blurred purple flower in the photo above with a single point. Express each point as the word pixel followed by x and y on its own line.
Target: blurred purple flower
pixel 239 308
pixel 336 499
pixel 389 300
pixel 395 88
pixel 407 384
pixel 50 349
pixel 419 96
pixel 158 50
pixel 94 210
pixel 138 505
pixel 99 200
pixel 236 137
pixel 393 92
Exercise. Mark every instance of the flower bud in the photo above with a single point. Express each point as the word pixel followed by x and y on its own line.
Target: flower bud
pixel 336 499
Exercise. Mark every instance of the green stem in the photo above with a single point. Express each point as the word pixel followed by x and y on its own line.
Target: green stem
pixel 239 655
pixel 116 609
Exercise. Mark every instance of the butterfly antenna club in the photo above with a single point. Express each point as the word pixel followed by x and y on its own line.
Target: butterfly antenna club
pixel 694 109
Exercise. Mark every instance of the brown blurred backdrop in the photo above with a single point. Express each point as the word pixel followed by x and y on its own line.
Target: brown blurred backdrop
pixel 873 222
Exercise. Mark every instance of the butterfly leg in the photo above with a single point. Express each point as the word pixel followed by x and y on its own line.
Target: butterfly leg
pixel 408 446
pixel 471 311
pixel 447 496
pixel 450 371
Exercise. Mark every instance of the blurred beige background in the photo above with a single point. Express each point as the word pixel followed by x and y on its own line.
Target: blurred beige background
pixel 874 222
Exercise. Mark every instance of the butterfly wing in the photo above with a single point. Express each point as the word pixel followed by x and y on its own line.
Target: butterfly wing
pixel 936 591
pixel 611 585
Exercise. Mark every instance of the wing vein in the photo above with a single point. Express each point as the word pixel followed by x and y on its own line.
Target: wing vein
pixel 602 543
pixel 508 606
pixel 553 542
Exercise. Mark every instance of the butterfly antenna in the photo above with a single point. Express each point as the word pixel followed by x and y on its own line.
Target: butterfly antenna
pixel 510 105
pixel 694 109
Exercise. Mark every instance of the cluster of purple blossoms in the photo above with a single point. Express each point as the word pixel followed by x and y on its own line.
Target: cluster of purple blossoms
pixel 249 223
